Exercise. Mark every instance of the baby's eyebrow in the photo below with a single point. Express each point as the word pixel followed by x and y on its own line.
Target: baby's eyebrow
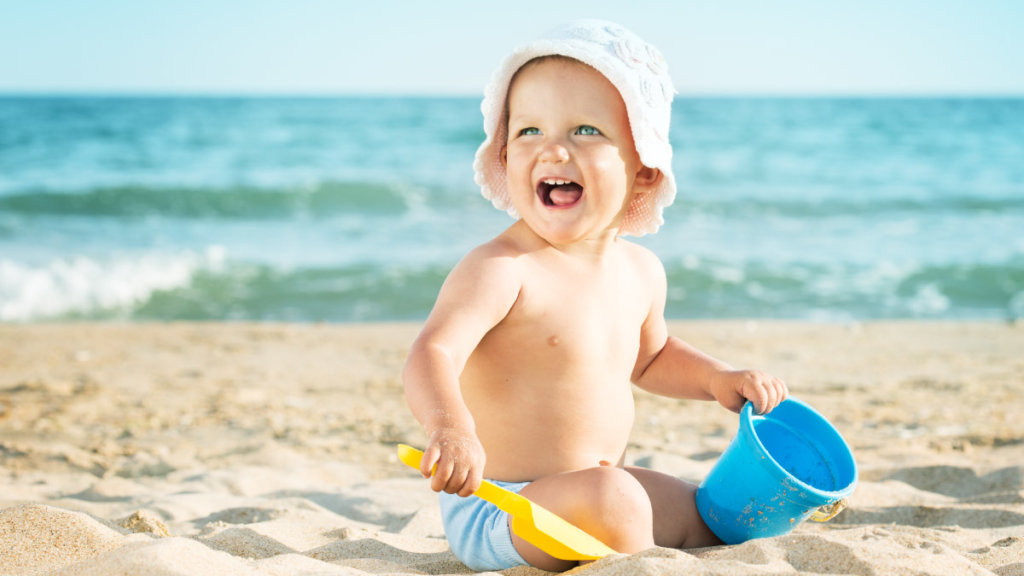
pixel 516 121
pixel 521 118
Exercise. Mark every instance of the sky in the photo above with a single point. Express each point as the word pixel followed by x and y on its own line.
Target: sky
pixel 450 47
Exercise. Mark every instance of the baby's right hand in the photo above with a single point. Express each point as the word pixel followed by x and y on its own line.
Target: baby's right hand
pixel 459 459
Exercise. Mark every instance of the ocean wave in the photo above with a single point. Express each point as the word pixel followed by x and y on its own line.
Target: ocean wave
pixel 231 203
pixel 245 291
pixel 782 202
pixel 210 286
pixel 705 288
pixel 83 287
pixel 391 199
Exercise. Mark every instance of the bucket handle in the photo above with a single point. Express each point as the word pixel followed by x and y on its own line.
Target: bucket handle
pixel 829 511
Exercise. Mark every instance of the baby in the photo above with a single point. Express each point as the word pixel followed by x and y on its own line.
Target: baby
pixel 522 372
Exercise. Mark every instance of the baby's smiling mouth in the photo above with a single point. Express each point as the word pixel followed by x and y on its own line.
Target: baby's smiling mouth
pixel 559 193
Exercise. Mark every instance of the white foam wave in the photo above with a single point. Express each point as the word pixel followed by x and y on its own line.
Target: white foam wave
pixel 928 300
pixel 82 285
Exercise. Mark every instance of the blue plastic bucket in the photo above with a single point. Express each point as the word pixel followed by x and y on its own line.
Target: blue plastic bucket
pixel 777 472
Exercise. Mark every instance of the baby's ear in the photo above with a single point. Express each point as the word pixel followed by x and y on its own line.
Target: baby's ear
pixel 504 156
pixel 647 179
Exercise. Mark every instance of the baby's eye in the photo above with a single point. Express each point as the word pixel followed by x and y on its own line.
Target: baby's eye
pixel 529 132
pixel 588 131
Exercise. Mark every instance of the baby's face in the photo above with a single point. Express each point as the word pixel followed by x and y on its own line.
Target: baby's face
pixel 570 158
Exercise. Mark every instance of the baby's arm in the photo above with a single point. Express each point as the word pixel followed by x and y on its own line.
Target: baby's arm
pixel 477 295
pixel 670 367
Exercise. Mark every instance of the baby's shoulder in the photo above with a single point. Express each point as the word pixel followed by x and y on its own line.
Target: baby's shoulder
pixel 642 259
pixel 501 249
pixel 507 247
pixel 497 258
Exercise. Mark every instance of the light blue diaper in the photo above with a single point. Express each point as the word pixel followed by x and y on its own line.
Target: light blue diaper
pixel 478 531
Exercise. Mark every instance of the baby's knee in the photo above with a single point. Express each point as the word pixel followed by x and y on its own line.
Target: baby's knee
pixel 621 506
pixel 618 488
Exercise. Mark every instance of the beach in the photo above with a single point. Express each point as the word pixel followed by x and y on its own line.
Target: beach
pixel 261 448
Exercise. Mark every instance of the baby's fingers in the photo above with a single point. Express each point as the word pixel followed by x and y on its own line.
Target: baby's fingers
pixel 429 460
pixel 457 481
pixel 472 483
pixel 760 400
pixel 758 389
pixel 781 391
pixel 460 478
pixel 442 475
pixel 769 392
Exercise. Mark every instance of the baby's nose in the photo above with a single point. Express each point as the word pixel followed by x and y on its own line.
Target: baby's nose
pixel 555 153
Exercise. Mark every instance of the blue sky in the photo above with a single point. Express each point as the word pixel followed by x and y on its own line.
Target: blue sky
pixel 450 46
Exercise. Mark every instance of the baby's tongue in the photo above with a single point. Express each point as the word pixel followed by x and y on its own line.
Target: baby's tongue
pixel 566 194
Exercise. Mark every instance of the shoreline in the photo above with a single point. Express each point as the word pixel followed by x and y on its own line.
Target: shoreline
pixel 252 448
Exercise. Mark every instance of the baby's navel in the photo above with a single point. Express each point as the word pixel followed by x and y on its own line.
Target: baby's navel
pixel 553 341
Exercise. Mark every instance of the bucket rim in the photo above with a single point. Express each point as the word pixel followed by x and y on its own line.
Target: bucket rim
pixel 747 428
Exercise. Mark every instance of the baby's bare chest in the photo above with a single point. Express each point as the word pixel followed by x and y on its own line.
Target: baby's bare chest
pixel 576 323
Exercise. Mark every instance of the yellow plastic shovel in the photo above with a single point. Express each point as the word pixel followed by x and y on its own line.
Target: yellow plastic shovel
pixel 531 521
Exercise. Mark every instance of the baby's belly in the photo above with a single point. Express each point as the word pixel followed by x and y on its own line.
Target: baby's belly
pixel 554 429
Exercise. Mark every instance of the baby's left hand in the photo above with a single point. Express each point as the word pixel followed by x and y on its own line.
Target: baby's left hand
pixel 734 387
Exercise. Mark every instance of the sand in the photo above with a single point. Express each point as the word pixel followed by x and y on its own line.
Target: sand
pixel 241 449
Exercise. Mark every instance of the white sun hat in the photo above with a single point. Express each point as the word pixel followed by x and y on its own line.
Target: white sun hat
pixel 639 72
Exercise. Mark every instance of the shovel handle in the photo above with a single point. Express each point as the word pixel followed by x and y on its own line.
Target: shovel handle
pixel 488 491
pixel 411 457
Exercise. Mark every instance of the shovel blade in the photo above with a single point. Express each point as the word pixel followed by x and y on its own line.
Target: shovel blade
pixel 531 521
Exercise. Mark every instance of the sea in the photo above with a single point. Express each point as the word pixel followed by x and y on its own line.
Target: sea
pixel 354 209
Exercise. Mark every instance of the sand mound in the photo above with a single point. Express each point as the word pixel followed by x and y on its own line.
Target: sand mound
pixel 38 537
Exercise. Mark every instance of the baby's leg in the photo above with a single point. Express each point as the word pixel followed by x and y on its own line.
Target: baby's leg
pixel 677 524
pixel 606 502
